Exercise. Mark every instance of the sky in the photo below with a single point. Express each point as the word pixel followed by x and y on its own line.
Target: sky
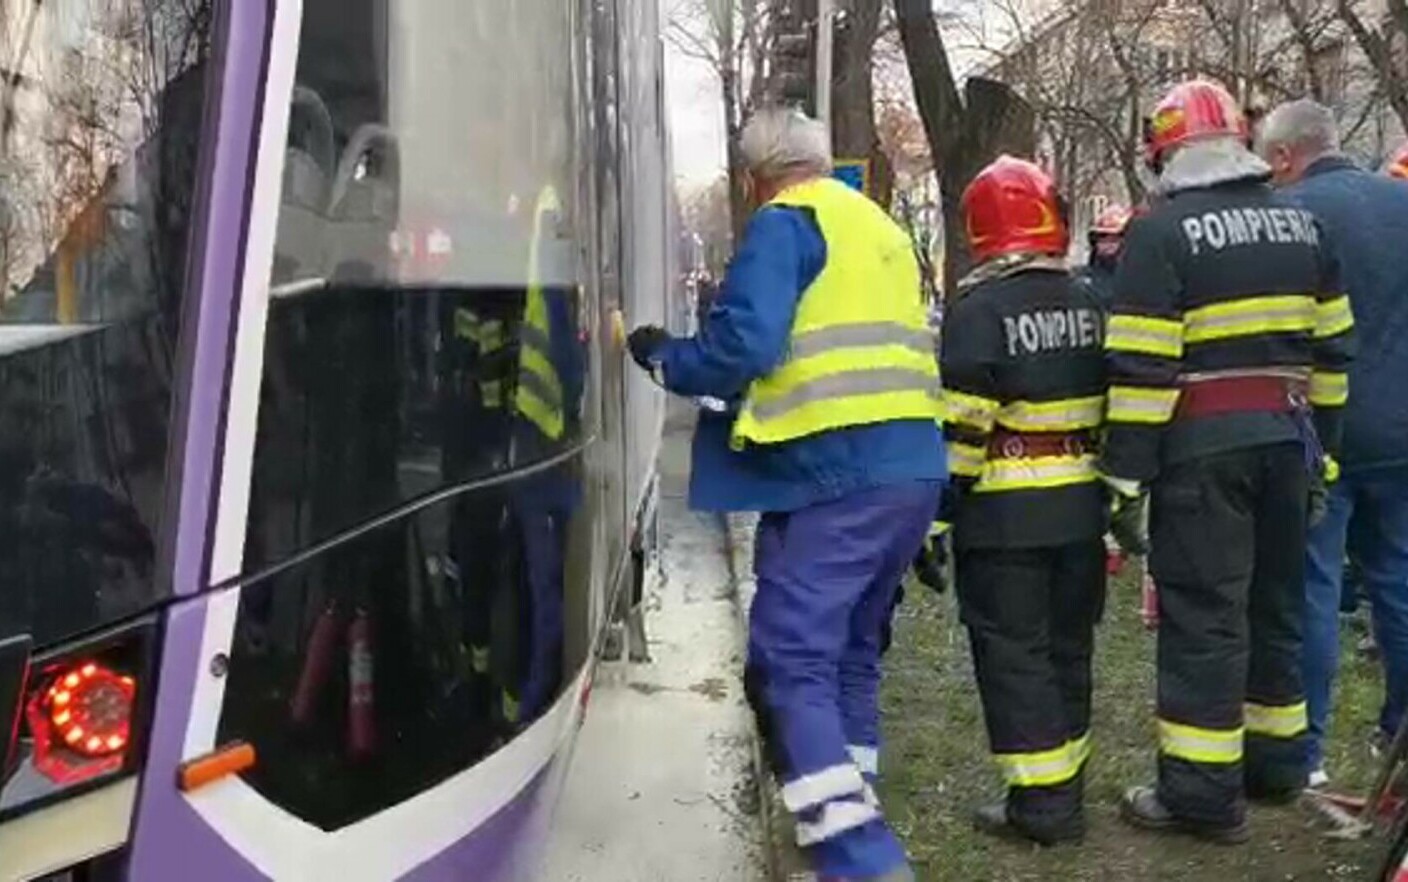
pixel 696 110
pixel 696 113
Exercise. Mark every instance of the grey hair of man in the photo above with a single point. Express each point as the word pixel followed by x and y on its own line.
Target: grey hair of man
pixel 780 146
pixel 1294 136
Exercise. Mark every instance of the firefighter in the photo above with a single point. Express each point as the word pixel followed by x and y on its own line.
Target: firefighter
pixel 1397 165
pixel 818 338
pixel 1023 392
pixel 1227 347
pixel 1106 238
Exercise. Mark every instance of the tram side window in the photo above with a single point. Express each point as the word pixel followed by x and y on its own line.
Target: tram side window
pixel 102 107
pixel 425 328
pixel 393 661
pixel 422 414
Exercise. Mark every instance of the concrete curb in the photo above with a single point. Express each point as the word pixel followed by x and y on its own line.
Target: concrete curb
pixel 784 862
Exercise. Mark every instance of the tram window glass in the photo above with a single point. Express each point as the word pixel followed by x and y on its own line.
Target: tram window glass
pixel 100 117
pixel 390 662
pixel 425 327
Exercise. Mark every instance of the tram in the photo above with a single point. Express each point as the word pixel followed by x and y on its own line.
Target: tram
pixel 322 478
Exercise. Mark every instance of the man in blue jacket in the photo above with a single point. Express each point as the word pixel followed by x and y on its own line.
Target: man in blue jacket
pixel 1365 218
pixel 818 340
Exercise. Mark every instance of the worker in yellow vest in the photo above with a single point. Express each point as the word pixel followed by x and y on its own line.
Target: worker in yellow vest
pixel 818 340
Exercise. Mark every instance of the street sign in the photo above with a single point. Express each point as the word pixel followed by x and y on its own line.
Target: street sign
pixel 854 173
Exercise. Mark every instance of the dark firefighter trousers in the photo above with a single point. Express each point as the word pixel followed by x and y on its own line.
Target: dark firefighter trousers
pixel 1228 535
pixel 1031 615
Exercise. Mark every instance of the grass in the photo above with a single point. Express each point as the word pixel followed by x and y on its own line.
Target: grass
pixel 937 767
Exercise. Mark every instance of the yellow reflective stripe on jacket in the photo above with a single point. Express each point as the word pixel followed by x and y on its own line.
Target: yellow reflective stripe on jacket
pixel 1333 317
pixel 974 411
pixel 491 393
pixel 966 460
pixel 1045 768
pixel 488 335
pixel 1080 750
pixel 1145 335
pixel 1065 415
pixel 1220 746
pixel 1329 388
pixel 1035 473
pixel 1283 721
pixel 860 351
pixel 1139 404
pixel 1280 313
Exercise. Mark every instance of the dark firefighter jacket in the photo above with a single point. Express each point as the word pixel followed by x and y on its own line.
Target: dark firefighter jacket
pixel 1222 280
pixel 1024 393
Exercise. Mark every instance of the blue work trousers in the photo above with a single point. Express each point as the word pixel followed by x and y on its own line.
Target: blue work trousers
pixel 1368 517
pixel 827 576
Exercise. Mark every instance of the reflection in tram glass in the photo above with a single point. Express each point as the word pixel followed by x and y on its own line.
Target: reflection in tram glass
pixel 102 107
pixel 407 654
pixel 418 558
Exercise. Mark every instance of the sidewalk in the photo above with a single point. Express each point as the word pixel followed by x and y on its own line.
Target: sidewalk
pixel 662 787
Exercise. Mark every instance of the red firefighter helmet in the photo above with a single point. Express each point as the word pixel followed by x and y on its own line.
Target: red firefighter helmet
pixel 1194 111
pixel 1112 221
pixel 1397 165
pixel 1012 207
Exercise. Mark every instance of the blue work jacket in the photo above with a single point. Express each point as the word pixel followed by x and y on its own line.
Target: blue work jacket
pixel 744 337
pixel 1365 220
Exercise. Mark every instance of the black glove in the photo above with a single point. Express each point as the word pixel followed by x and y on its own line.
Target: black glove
pixel 1321 478
pixel 644 342
pixel 1129 523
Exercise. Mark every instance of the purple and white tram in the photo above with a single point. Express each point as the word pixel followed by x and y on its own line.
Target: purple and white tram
pixel 321 475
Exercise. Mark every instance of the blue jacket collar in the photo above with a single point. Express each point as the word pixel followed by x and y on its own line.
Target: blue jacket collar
pixel 1327 164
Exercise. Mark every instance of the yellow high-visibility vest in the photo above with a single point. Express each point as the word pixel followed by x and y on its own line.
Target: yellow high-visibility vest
pixel 539 396
pixel 860 350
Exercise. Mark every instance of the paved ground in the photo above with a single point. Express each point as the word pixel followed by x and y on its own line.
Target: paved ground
pixel 661 787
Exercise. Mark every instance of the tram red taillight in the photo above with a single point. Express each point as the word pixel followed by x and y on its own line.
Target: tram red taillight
pixel 81 721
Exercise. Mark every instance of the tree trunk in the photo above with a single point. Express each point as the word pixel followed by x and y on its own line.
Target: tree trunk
pixel 965 133
pixel 853 129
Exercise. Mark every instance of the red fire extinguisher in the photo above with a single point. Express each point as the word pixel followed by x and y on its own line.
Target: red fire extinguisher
pixel 317 665
pixel 361 724
pixel 1149 593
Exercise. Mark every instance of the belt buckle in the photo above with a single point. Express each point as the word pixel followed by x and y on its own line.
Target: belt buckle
pixel 1013 447
pixel 1297 398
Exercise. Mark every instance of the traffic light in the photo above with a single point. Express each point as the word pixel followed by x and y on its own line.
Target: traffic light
pixel 793 64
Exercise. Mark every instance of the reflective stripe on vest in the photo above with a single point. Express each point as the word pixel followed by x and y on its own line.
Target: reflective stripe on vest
pixel 860 350
pixel 539 395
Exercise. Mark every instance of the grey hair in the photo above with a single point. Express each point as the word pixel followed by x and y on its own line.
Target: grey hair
pixel 1305 126
pixel 778 141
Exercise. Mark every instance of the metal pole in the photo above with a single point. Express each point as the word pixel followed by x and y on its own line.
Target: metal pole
pixel 825 45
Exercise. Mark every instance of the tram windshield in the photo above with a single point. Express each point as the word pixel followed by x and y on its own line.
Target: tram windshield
pixel 100 113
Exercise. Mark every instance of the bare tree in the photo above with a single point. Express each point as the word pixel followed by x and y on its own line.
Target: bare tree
pixel 733 37
pixel 965 129
pixel 1385 44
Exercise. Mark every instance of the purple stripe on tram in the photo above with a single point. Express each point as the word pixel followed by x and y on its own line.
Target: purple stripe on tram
pixel 170 841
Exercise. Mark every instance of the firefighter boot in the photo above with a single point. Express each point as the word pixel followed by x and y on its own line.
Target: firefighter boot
pixel 1141 808
pixel 993 818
